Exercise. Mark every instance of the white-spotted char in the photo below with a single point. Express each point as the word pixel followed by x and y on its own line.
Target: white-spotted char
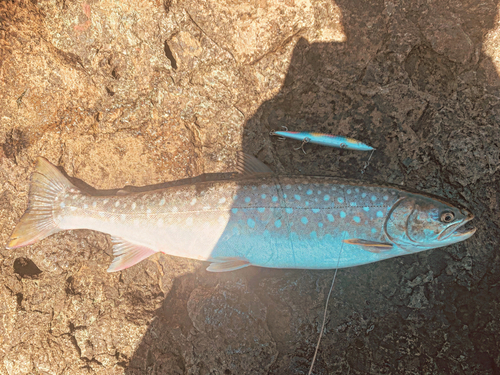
pixel 256 218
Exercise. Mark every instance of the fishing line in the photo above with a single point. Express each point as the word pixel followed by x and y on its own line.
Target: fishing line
pixel 326 308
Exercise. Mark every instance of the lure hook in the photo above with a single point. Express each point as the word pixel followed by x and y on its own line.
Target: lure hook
pixel 273 132
pixel 367 163
pixel 305 141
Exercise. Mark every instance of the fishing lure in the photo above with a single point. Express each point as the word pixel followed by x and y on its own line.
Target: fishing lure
pixel 324 140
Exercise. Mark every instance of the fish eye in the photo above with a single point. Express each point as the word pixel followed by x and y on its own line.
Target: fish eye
pixel 447 217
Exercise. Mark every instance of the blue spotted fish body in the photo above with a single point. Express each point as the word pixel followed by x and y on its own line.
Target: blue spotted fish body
pixel 326 140
pixel 256 218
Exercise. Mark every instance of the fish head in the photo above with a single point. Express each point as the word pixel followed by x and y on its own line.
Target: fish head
pixel 419 222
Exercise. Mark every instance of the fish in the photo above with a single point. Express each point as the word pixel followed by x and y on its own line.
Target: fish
pixel 253 218
pixel 325 140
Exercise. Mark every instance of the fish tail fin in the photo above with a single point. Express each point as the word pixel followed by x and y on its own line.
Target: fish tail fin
pixel 47 183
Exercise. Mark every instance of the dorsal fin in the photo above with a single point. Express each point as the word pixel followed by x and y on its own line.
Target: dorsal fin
pixel 249 165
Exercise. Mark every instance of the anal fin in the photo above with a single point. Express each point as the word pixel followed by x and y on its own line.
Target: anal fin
pixel 371 246
pixel 127 254
pixel 227 264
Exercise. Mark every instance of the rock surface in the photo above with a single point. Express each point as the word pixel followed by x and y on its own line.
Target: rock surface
pixel 136 92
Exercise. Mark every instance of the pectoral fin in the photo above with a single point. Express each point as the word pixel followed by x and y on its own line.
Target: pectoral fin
pixel 227 264
pixel 371 246
pixel 127 254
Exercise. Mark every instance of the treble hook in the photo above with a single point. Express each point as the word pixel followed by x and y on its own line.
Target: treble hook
pixel 272 132
pixel 305 141
pixel 367 163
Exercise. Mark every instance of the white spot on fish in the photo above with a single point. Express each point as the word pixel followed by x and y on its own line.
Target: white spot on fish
pixel 175 209
pixel 148 211
pixel 366 209
pixel 263 196
pixel 330 217
pixel 117 203
pixel 73 197
pixel 342 214
pixel 275 199
pixel 72 208
pixel 193 202
pixel 261 209
pixel 234 210
pixel 340 200
pixel 62 205
pixel 326 198
pixel 380 214
pixel 356 190
pixel 101 214
pixel 374 230
pixel 374 198
pixel 363 195
pixel 348 191
pixel 122 217
pixel 297 197
pixel 288 186
pixel 85 206
pixel 320 225
pixel 289 210
pixel 304 220
pixel 277 223
pixel 251 223
pixel 356 219
pixel 309 192
pixel 315 210
pixel 134 206
pixel 386 197
pixel 162 202
pixel 248 199
pixel 222 200
pixel 353 204
pixel 59 217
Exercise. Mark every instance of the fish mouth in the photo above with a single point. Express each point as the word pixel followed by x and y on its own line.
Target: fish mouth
pixel 460 231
